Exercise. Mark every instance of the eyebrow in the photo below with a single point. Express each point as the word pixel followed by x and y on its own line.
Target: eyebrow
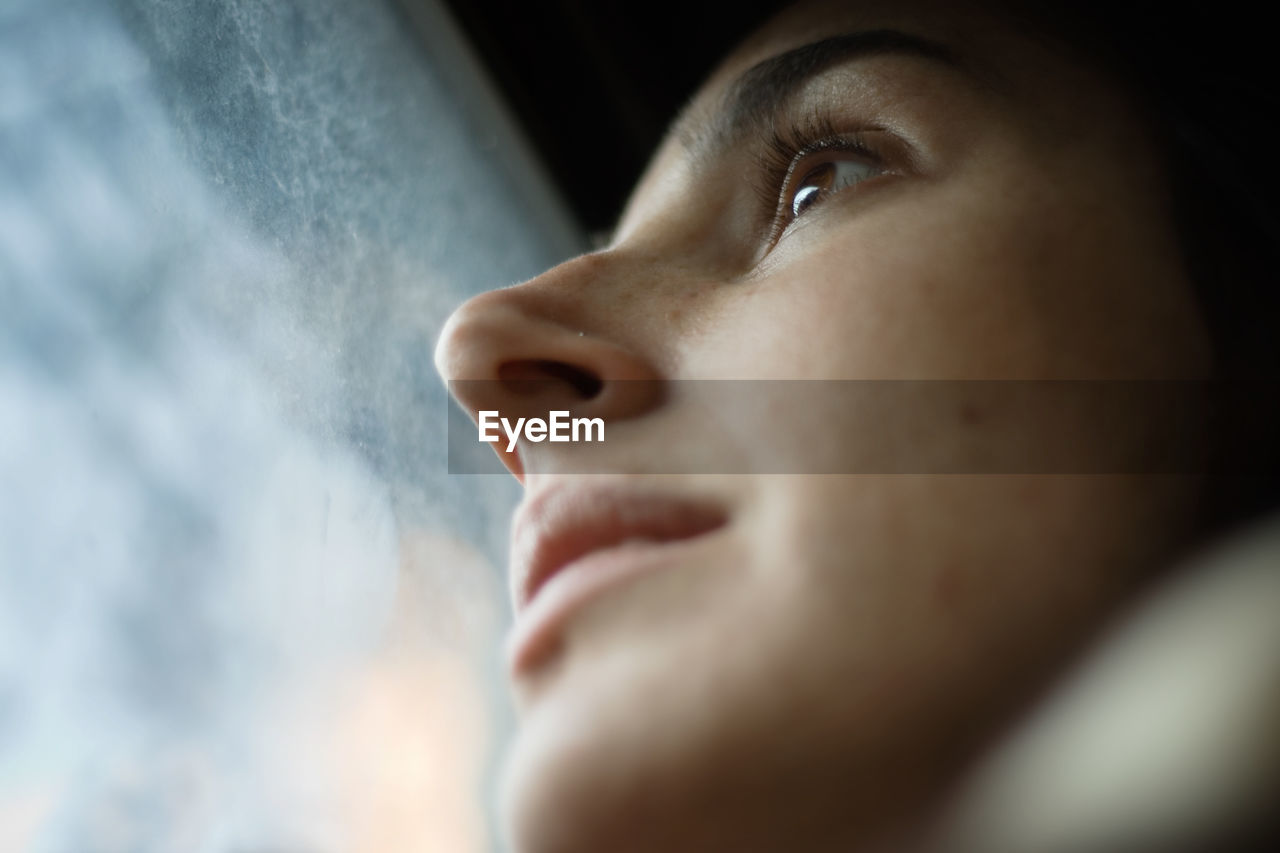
pixel 764 89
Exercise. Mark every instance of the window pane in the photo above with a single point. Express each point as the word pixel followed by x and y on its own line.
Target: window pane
pixel 242 607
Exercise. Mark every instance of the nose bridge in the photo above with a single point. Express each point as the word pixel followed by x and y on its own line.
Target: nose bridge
pixel 592 293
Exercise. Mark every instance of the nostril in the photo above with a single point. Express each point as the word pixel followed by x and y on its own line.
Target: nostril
pixel 529 377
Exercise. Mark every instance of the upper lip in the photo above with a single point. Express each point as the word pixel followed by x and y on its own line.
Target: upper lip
pixel 562 523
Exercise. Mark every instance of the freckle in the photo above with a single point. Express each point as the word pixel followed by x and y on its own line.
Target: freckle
pixel 674 315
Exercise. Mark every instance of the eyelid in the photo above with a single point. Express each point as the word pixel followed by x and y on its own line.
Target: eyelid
pixel 806 163
pixel 808 157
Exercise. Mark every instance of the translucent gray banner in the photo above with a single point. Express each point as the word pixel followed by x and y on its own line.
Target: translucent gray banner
pixel 864 427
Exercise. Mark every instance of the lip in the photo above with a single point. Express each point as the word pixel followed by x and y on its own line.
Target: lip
pixel 571 542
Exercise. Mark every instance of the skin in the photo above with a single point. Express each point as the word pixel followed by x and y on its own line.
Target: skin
pixel 819 673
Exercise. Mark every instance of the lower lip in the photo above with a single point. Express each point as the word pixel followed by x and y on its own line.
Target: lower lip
pixel 537 631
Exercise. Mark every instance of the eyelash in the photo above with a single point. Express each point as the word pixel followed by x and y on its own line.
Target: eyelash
pixel 785 148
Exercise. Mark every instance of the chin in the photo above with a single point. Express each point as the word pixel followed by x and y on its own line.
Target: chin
pixel 635 748
pixel 615 755
pixel 574 785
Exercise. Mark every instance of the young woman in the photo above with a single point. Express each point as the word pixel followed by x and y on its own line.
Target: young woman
pixel 763 656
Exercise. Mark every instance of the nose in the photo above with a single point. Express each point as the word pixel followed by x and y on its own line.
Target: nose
pixel 558 341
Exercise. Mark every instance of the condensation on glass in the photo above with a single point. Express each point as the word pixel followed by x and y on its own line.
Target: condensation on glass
pixel 242 605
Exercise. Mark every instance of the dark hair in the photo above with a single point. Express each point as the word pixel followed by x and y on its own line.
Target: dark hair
pixel 1209 94
pixel 1208 90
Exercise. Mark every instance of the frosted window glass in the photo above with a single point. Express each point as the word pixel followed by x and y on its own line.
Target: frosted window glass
pixel 242 607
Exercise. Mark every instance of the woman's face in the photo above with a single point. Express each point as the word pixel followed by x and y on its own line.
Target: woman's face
pixel 817 655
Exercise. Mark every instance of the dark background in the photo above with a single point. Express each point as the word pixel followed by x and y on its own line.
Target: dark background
pixel 595 84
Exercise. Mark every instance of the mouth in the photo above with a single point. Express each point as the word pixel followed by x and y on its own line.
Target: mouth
pixel 570 543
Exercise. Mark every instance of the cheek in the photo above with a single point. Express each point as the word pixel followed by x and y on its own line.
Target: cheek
pixel 957 594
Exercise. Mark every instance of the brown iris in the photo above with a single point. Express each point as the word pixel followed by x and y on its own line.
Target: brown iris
pixel 811 187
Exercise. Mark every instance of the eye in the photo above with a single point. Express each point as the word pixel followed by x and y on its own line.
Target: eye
pixel 819 182
pixel 804 163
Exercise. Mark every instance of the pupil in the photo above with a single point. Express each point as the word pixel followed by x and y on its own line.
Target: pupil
pixel 811 188
pixel 805 199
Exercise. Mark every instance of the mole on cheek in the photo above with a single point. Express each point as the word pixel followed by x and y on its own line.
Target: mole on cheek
pixel 971 414
pixel 949 587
